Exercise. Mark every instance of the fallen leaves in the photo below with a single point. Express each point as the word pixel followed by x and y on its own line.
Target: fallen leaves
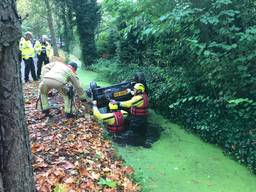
pixel 71 155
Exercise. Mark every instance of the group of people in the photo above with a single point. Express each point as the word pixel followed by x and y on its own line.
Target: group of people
pixel 136 132
pixel 28 49
pixel 55 74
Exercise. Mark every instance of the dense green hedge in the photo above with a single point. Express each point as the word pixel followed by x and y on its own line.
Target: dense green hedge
pixel 199 59
pixel 227 123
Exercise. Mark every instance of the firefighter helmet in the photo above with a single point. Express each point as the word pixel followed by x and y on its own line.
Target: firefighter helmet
pixel 139 87
pixel 73 65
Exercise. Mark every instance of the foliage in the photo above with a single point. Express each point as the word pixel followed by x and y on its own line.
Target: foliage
pixel 198 58
pixel 107 182
pixel 230 123
pixel 71 154
pixel 87 19
pixel 36 12
pixel 75 22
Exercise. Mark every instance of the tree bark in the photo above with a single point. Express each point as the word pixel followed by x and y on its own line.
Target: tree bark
pixel 51 28
pixel 16 172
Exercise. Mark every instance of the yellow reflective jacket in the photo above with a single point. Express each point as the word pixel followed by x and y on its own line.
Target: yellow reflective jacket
pixel 107 118
pixel 39 47
pixel 27 49
pixel 64 74
pixel 135 101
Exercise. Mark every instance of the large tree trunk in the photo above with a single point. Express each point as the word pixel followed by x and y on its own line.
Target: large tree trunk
pixel 16 172
pixel 51 28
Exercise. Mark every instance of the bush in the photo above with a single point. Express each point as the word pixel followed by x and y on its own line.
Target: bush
pixel 229 123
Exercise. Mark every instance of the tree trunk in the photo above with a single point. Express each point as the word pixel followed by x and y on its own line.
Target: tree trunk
pixel 16 172
pixel 51 28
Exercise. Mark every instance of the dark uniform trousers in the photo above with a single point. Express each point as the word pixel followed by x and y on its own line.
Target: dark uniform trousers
pixel 29 66
pixel 41 59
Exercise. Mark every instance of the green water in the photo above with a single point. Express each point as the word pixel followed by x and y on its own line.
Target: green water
pixel 181 162
pixel 86 77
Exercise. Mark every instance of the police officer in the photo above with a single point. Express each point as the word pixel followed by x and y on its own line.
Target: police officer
pixel 114 119
pixel 44 51
pixel 56 75
pixel 138 105
pixel 28 53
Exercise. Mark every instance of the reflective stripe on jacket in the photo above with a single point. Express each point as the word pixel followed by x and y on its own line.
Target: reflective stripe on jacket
pixel 110 118
pixel 141 110
pixel 40 47
pixel 138 104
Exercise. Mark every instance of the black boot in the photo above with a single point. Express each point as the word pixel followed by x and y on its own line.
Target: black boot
pixel 47 113
pixel 69 115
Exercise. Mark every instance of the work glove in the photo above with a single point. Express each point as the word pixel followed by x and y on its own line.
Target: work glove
pixel 115 102
pixel 130 91
pixel 94 103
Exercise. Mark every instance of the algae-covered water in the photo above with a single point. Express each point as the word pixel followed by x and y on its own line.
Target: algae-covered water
pixel 181 162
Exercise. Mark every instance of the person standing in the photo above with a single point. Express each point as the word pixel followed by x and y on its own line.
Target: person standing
pixel 44 52
pixel 28 53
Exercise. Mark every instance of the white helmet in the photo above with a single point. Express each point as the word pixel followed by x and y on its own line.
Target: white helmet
pixel 44 37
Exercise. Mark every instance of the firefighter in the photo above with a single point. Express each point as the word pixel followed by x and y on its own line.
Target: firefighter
pixel 28 53
pixel 44 52
pixel 56 75
pixel 138 105
pixel 114 119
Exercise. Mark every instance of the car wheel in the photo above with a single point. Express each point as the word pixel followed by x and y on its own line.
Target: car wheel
pixel 93 85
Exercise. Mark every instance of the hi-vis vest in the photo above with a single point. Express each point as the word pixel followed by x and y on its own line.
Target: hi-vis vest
pixel 27 49
pixel 118 124
pixel 43 48
pixel 143 110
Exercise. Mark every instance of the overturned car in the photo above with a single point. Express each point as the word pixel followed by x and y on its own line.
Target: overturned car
pixel 118 92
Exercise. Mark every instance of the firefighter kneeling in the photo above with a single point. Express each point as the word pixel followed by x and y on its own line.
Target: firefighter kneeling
pixel 138 127
pixel 114 119
pixel 56 75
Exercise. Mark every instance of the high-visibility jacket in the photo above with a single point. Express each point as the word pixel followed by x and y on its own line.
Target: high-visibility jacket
pixel 138 105
pixel 63 73
pixel 21 43
pixel 27 49
pixel 113 120
pixel 41 47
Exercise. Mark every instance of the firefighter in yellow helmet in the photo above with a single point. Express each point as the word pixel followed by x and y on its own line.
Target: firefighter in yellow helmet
pixel 138 105
pixel 44 51
pixel 28 53
pixel 114 119
pixel 56 75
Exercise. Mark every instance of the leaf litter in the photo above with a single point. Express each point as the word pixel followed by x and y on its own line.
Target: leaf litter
pixel 71 155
